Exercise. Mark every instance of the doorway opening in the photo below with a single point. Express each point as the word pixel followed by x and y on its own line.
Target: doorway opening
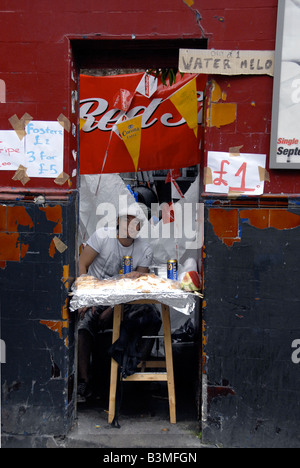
pixel 106 58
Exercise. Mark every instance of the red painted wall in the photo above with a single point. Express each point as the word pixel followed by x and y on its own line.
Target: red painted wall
pixel 36 64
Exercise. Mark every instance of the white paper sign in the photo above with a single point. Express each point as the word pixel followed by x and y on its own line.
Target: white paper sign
pixel 230 174
pixel 11 150
pixel 44 149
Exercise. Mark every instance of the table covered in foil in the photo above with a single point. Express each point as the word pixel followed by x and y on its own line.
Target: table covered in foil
pixel 180 300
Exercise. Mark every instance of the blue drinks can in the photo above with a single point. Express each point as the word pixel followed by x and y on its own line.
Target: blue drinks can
pixel 127 264
pixel 172 270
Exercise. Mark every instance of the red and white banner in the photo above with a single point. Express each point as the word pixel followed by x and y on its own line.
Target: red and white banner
pixel 111 137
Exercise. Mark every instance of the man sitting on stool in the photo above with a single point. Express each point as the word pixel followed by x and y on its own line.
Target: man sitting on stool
pixel 102 257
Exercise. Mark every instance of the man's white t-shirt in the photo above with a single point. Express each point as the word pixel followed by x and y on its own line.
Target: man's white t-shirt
pixel 109 261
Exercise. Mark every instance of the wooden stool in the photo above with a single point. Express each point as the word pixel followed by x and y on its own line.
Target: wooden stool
pixel 167 376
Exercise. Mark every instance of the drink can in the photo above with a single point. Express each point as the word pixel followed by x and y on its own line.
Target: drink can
pixel 127 264
pixel 172 270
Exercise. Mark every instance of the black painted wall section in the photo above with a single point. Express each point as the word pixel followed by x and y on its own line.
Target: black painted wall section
pixel 251 387
pixel 37 381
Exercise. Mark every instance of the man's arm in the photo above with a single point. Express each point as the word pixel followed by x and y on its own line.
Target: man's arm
pixel 86 258
pixel 143 269
pixel 140 271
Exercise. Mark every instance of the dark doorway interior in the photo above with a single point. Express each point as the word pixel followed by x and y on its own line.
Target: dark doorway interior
pixel 131 54
pixel 97 57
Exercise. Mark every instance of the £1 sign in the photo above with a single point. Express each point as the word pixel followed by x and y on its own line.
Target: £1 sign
pixel 235 175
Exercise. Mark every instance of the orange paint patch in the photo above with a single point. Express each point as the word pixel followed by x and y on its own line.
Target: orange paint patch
pixel 2 218
pixel 65 314
pixel 273 218
pixel 230 242
pixel 55 326
pixel 9 247
pixel 17 215
pixel 54 214
pixel 283 219
pixel 222 114
pixel 258 218
pixel 12 218
pixel 216 94
pixel 65 278
pixel 52 249
pixel 219 113
pixel 24 249
pixel 225 224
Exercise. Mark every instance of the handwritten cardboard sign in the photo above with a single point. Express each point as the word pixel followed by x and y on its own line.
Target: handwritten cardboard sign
pixel 233 174
pixel 44 144
pixel 226 62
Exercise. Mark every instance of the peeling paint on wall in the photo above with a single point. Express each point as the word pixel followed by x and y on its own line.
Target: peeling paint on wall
pixel 17 216
pixel 219 113
pixel 57 326
pixel 19 229
pixel 274 218
pixel 251 316
pixel 217 94
pixel 52 249
pixel 13 219
pixel 24 249
pixel 66 276
pixel 54 214
pixel 16 219
pixel 227 223
pixel 9 248
pixel 54 325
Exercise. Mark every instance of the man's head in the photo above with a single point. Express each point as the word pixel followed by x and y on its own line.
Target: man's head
pixel 130 221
